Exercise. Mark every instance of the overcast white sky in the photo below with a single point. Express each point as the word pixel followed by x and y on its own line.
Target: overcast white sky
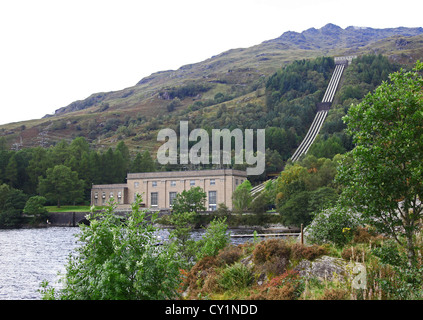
pixel 53 52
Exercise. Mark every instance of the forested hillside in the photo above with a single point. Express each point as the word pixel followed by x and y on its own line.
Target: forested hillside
pixel 285 109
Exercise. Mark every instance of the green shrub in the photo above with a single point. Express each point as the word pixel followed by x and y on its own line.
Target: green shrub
pixel 119 260
pixel 34 207
pixel 181 235
pixel 334 225
pixel 236 276
pixel 404 282
pixel 214 239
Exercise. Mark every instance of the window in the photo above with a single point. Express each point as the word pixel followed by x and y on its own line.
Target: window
pixel 154 198
pixel 103 195
pixel 192 182
pixel 212 200
pixel 236 182
pixel 212 182
pixel 120 194
pixel 172 196
pixel 111 195
pixel 173 183
pixel 136 184
pixel 96 195
pixel 154 183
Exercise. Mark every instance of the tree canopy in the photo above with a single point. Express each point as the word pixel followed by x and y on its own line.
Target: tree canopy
pixel 62 185
pixel 383 175
pixel 191 200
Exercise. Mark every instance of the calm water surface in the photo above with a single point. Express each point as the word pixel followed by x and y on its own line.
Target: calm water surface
pixel 30 256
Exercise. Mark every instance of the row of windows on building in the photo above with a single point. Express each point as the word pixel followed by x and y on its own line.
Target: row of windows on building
pixel 173 183
pixel 154 197
pixel 103 197
pixel 191 183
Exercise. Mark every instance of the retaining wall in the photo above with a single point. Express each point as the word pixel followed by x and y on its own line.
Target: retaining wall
pixel 66 219
pixel 72 219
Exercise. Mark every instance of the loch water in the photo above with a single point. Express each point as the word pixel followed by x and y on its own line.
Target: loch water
pixel 30 256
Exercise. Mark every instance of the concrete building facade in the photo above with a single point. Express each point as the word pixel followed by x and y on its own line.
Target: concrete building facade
pixel 159 189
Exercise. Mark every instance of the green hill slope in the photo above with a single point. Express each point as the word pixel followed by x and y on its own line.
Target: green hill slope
pixel 233 79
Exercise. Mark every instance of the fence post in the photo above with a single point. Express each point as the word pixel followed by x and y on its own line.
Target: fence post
pixel 302 234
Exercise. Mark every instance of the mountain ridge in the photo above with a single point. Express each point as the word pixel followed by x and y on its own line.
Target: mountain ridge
pixel 328 37
pixel 332 35
pixel 236 74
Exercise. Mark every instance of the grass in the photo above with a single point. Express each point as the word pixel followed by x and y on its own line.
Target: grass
pixel 71 208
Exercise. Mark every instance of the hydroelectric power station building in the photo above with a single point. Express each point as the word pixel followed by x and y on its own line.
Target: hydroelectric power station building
pixel 159 189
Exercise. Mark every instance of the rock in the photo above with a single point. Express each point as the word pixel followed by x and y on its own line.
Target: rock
pixel 323 268
pixel 248 261
pixel 401 43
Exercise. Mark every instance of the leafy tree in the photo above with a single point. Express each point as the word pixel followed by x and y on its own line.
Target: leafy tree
pixel 124 151
pixel 328 148
pixel 304 188
pixel 95 168
pixel 59 154
pixel 214 239
pixel 295 211
pixel 61 185
pixel 147 162
pixel 241 197
pixel 108 165
pixel 34 207
pixel 333 225
pixel 322 198
pixel 289 182
pixel 12 202
pixel 191 200
pixel 182 224
pixel 78 147
pixel 119 168
pixel 261 202
pixel 38 165
pixel 300 207
pixel 136 165
pixel 11 172
pixel 119 259
pixel 274 162
pixel 22 161
pixel 383 175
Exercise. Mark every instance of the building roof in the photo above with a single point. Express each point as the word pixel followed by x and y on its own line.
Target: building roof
pixel 110 186
pixel 183 174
